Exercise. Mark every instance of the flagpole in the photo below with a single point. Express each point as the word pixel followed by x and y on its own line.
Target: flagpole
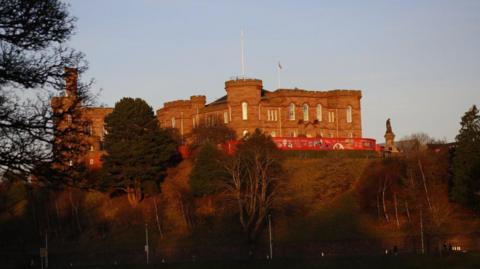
pixel 242 47
pixel 279 68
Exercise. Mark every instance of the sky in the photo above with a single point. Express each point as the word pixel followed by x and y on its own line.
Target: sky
pixel 416 62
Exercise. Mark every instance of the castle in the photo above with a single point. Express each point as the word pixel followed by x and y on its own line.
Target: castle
pixel 280 113
pixel 246 106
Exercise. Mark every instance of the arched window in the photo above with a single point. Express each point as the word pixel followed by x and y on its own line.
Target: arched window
pixel 173 122
pixel 244 111
pixel 349 114
pixel 319 112
pixel 245 133
pixel 225 117
pixel 305 112
pixel 291 111
pixel 88 128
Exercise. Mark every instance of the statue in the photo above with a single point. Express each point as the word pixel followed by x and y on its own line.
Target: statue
pixel 389 126
pixel 390 139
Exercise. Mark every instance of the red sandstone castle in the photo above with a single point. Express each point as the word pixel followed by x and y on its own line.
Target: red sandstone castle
pixel 282 113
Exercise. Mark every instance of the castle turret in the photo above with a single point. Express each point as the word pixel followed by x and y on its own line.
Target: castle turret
pixel 198 101
pixel 243 97
pixel 239 90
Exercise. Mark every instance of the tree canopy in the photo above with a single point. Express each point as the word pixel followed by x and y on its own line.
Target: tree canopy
pixel 208 174
pixel 33 56
pixel 466 161
pixel 138 151
pixel 254 172
pixel 215 134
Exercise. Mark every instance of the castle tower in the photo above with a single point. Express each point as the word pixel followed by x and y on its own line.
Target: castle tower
pixel 71 82
pixel 68 100
pixel 243 98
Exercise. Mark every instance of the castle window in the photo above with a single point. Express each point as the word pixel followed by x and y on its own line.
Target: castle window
pixel 70 163
pixel 91 148
pixel 273 134
pixel 305 112
pixel 225 117
pixel 291 111
pixel 349 114
pixel 91 161
pixel 319 112
pixel 245 133
pixel 69 119
pixel 244 111
pixel 88 129
pixel 272 115
pixel 331 116
pixel 194 122
pixel 173 122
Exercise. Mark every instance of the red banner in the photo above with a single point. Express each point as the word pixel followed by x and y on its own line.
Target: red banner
pixel 302 143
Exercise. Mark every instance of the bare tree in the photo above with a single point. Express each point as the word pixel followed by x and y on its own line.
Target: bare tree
pixel 254 173
pixel 32 61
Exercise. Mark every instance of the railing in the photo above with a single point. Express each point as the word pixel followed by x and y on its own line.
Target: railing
pixel 242 77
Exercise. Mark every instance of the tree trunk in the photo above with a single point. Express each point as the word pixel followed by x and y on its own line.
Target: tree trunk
pixel 385 212
pixel 156 217
pixel 34 208
pixel 75 212
pixel 408 211
pixel 184 214
pixel 134 195
pixel 424 184
pixel 378 199
pixel 421 231
pixel 396 209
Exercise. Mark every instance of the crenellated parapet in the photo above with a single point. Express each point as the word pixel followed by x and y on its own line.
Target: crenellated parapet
pixel 315 93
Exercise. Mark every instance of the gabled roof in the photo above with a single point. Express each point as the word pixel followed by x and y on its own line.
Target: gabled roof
pixel 220 100
pixel 223 99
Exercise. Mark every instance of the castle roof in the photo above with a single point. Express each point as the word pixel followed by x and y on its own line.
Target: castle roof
pixel 223 99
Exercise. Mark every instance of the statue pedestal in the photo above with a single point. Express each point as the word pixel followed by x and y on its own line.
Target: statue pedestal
pixel 390 143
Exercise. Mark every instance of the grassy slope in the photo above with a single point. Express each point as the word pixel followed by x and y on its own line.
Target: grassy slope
pixel 318 200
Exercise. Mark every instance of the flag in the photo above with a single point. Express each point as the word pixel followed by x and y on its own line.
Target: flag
pixel 279 65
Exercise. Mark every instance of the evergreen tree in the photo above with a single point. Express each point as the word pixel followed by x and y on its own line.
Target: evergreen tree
pixel 208 173
pixel 466 161
pixel 138 150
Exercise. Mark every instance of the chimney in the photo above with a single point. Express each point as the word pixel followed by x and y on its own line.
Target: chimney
pixel 71 80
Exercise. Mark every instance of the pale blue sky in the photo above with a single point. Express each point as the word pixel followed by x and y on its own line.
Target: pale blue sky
pixel 417 62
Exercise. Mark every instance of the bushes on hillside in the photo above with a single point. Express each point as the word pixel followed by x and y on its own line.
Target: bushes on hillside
pixel 208 174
